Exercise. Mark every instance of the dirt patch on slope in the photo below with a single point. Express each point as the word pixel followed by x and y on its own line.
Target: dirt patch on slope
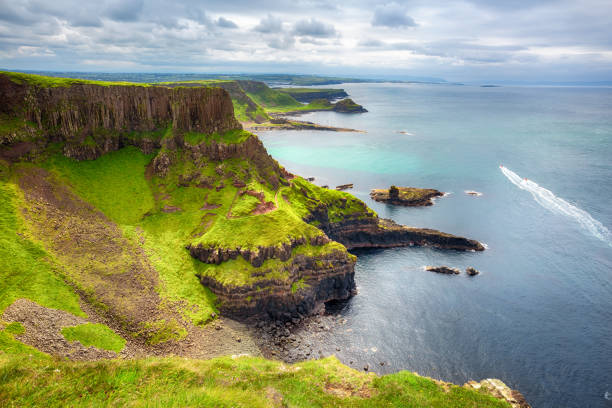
pixel 94 254
pixel 43 331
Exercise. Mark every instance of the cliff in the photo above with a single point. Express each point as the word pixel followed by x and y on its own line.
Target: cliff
pixel 349 221
pixel 93 119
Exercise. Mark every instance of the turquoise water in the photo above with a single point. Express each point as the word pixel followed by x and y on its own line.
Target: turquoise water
pixel 539 316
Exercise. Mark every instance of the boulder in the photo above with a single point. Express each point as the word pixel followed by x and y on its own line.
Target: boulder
pixel 471 271
pixel 443 269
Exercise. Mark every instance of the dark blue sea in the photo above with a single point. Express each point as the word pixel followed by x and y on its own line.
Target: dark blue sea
pixel 539 316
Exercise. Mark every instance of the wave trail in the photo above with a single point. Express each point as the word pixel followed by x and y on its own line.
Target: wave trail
pixel 551 202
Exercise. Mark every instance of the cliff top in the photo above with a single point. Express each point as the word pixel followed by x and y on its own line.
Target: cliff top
pixel 50 82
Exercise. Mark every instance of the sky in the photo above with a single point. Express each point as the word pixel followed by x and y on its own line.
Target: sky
pixel 467 40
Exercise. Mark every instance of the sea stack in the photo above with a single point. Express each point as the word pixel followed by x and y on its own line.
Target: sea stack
pixel 406 196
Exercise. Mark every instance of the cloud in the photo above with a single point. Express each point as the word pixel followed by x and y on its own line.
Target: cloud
pixel 392 15
pixel 125 11
pixel 269 25
pixel 457 40
pixel 370 42
pixel 283 43
pixel 314 28
pixel 225 23
pixel 35 51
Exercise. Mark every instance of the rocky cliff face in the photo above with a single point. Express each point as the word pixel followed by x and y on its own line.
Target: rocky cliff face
pixel 94 119
pixel 361 230
pixel 312 281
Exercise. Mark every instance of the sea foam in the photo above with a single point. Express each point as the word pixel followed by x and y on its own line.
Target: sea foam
pixel 551 202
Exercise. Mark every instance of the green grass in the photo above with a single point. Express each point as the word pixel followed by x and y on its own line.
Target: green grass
pixel 297 91
pixel 165 330
pixel 220 382
pixel 271 99
pixel 114 183
pixel 269 229
pixel 14 328
pixel 299 285
pixel 233 136
pixel 11 347
pixel 278 102
pixel 244 205
pixel 305 196
pixel 52 82
pixel 26 271
pixel 244 114
pixel 95 334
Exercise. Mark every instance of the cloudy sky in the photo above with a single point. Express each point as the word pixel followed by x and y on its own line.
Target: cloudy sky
pixel 468 40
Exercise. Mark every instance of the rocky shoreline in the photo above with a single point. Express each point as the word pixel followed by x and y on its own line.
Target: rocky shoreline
pixel 303 339
pixel 280 123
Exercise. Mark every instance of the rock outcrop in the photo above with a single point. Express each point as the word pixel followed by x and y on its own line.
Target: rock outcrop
pixel 311 282
pixel 443 269
pixel 361 231
pixel 499 390
pixel 217 255
pixel 406 196
pixel 471 271
pixel 348 106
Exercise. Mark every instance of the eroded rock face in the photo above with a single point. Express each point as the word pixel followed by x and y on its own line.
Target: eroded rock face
pixel 95 119
pixel 499 390
pixel 282 252
pixel 368 231
pixel 312 282
pixel 406 196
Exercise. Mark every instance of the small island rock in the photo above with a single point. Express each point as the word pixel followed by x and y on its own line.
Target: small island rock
pixel 443 269
pixel 406 196
pixel 471 271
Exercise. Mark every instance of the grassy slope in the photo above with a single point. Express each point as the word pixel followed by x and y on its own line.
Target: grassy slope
pixel 27 271
pixel 220 382
pixel 94 334
pixel 274 101
pixel 116 184
pixel 322 91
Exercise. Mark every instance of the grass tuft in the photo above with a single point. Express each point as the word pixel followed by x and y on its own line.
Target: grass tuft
pixel 94 334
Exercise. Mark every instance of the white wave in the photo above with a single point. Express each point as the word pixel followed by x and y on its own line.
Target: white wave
pixel 608 396
pixel 473 193
pixel 551 202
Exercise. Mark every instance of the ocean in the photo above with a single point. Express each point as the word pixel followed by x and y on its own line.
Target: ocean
pixel 539 316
